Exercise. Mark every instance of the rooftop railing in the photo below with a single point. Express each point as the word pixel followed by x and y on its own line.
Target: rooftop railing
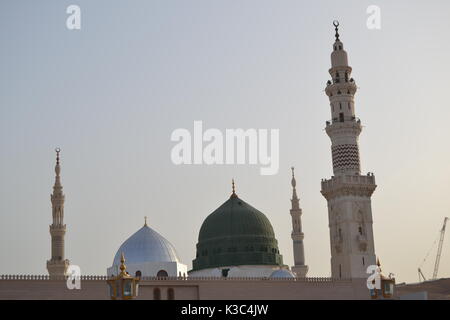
pixel 104 278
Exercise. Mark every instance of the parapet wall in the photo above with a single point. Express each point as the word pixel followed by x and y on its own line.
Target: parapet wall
pixel 33 287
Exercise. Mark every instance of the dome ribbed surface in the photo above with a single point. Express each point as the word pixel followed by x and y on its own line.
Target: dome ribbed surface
pixel 236 234
pixel 146 245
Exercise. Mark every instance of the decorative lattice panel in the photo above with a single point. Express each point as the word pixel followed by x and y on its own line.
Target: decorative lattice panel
pixel 345 157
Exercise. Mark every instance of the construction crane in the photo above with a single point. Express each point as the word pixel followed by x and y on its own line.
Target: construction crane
pixel 421 275
pixel 438 254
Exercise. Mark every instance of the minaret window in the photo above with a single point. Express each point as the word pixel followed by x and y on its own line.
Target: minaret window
pixel 340 106
pixel 341 117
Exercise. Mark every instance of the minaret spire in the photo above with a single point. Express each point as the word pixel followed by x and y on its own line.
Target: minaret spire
pixel 57 188
pixel 336 28
pixel 295 200
pixel 348 193
pixel 297 235
pixel 57 265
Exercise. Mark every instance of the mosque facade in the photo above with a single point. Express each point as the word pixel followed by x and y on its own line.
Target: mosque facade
pixel 237 242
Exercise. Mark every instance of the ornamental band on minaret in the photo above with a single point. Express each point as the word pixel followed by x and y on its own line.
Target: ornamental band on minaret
pixel 299 267
pixel 57 265
pixel 348 192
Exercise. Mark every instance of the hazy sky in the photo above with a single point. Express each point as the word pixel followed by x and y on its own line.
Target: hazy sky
pixel 111 94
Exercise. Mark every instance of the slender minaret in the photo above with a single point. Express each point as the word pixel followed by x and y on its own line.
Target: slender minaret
pixel 57 265
pixel 348 192
pixel 297 235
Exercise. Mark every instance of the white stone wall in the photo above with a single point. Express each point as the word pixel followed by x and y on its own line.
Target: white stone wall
pixel 244 271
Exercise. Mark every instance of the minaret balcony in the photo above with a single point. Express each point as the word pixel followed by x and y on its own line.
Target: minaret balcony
pixel 340 87
pixel 297 236
pixel 343 119
pixel 349 125
pixel 348 185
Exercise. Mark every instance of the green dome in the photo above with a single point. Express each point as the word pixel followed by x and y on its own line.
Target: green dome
pixel 236 234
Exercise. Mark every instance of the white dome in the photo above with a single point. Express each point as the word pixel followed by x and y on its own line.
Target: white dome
pixel 282 273
pixel 146 245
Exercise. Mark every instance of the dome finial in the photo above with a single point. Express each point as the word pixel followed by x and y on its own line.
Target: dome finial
pixel 57 169
pixel 145 221
pixel 336 25
pixel 123 267
pixel 58 150
pixel 233 188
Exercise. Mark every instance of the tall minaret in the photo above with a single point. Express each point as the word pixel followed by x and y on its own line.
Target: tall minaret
pixel 57 265
pixel 297 235
pixel 347 192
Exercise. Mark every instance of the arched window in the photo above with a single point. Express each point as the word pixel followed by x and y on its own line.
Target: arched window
pixel 156 294
pixel 162 274
pixel 170 294
pixel 138 274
